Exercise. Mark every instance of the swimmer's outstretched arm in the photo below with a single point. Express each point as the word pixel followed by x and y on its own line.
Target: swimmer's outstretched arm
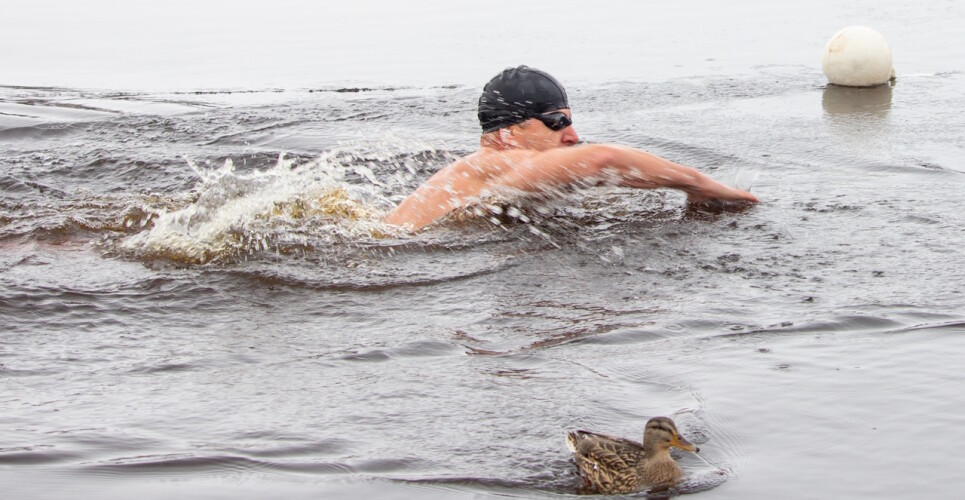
pixel 616 165
pixel 535 171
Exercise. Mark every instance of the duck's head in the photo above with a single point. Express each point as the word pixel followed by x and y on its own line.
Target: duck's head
pixel 661 434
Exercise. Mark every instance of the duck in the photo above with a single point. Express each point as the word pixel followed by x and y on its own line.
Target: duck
pixel 614 465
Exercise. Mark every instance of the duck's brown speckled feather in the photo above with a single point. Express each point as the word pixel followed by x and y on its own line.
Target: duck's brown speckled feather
pixel 610 464
pixel 607 463
pixel 627 450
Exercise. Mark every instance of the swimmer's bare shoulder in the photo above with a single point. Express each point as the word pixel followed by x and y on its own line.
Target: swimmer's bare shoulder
pixel 456 185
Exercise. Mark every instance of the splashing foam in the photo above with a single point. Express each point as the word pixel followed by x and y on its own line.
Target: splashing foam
pixel 287 208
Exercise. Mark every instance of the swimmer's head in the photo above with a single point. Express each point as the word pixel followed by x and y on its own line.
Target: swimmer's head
pixel 518 94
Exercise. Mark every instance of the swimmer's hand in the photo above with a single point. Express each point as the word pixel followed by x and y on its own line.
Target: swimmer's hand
pixel 721 199
pixel 720 193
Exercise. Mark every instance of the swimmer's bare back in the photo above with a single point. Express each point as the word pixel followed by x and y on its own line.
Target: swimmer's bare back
pixel 492 170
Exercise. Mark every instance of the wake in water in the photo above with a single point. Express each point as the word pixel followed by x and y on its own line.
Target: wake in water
pixel 287 209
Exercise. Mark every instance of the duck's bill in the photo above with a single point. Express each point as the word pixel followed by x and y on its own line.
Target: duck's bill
pixel 683 444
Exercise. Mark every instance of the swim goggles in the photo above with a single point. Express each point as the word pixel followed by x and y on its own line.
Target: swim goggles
pixel 556 121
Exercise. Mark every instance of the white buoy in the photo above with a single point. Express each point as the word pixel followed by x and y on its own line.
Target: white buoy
pixel 857 57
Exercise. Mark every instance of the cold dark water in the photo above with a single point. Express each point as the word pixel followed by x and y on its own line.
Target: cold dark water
pixel 197 297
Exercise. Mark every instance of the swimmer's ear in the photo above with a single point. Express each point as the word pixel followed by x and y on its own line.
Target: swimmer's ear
pixel 506 136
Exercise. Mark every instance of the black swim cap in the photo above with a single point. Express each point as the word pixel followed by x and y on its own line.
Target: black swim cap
pixel 518 94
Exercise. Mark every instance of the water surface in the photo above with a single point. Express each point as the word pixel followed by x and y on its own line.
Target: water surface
pixel 198 297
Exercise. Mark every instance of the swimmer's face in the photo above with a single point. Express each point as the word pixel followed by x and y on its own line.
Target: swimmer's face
pixel 534 134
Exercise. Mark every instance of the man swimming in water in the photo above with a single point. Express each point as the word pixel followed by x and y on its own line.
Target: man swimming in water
pixel 528 145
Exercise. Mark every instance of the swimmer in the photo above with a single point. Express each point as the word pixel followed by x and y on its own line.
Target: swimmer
pixel 529 145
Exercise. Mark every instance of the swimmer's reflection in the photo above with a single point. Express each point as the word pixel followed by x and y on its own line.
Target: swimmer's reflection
pixel 839 100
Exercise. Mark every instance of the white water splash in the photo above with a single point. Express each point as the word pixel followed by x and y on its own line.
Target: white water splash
pixel 284 206
pixel 745 179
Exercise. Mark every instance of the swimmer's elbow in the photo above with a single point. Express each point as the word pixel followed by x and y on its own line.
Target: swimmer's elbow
pixel 410 225
pixel 393 219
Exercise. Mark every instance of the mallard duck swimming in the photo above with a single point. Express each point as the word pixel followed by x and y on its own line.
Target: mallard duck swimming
pixel 615 465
